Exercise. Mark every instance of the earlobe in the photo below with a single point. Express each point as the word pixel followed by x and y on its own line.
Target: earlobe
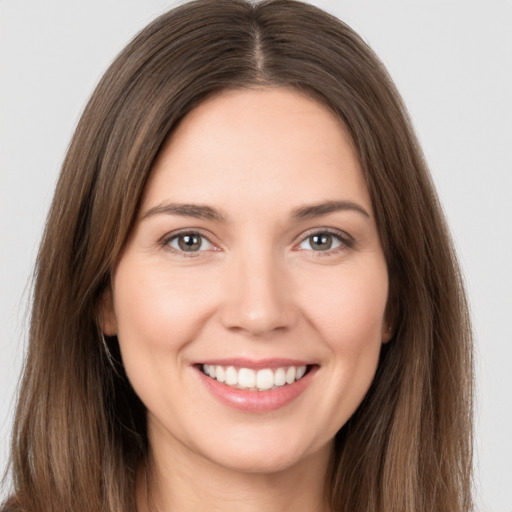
pixel 390 319
pixel 387 333
pixel 107 318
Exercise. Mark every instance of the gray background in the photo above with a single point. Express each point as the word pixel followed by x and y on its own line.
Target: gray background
pixel 452 61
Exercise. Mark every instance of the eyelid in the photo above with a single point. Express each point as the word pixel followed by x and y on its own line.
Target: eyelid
pixel 346 240
pixel 166 240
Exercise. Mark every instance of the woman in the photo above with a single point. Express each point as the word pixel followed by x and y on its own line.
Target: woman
pixel 246 295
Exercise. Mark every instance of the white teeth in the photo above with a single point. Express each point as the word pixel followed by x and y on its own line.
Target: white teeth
pixel 265 379
pixel 231 376
pixel 290 375
pixel 260 380
pixel 220 374
pixel 246 378
pixel 280 377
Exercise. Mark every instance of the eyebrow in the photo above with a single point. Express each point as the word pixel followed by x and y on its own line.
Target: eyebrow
pixel 326 207
pixel 199 211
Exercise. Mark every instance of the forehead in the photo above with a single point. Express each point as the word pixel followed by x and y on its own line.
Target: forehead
pixel 262 146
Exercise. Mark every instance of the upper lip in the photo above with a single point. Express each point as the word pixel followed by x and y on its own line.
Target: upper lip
pixel 255 364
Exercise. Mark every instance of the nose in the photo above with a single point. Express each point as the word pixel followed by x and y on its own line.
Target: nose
pixel 258 299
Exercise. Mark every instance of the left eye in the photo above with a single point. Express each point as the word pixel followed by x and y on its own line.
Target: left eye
pixel 190 242
pixel 322 241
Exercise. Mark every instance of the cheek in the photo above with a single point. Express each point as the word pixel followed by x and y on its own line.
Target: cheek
pixel 349 305
pixel 158 313
pixel 349 317
pixel 157 309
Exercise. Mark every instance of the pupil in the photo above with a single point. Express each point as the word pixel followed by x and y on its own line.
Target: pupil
pixel 321 242
pixel 189 242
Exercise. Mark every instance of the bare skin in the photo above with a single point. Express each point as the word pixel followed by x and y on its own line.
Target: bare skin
pixel 181 487
pixel 255 251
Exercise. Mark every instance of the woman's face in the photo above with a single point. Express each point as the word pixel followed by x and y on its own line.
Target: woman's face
pixel 255 257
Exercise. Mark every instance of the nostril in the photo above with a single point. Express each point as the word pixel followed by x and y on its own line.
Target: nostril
pixel 257 318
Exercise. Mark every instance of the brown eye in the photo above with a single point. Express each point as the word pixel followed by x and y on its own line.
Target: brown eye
pixel 322 241
pixel 189 242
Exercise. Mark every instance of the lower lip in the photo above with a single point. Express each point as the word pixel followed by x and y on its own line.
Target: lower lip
pixel 257 401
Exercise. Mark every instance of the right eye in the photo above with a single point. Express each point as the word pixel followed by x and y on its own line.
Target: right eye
pixel 189 242
pixel 321 241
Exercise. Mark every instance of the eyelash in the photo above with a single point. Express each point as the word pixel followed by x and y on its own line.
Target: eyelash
pixel 345 242
pixel 168 239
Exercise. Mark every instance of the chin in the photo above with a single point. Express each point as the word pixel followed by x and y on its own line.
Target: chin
pixel 268 456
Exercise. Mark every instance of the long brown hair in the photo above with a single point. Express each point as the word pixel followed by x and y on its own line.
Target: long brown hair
pixel 80 430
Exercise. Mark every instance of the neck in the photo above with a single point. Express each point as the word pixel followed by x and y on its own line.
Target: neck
pixel 185 481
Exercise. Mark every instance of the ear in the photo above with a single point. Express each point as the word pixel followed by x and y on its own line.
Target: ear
pixel 389 322
pixel 387 332
pixel 107 316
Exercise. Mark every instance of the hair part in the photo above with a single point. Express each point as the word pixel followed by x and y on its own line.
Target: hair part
pixel 80 430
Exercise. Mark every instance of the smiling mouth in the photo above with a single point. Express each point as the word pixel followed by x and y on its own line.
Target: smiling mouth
pixel 264 379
